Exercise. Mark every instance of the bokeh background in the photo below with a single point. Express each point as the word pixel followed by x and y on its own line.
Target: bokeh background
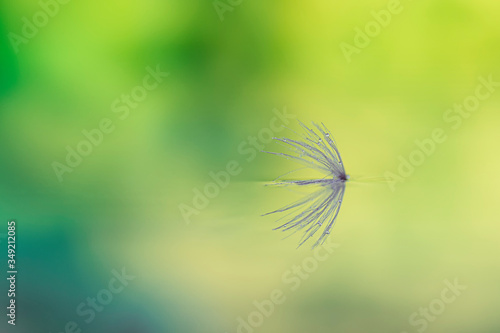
pixel 120 206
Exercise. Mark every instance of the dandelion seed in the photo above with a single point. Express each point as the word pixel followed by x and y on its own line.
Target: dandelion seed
pixel 322 206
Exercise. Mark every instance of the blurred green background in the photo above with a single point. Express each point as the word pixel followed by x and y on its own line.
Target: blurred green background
pixel 120 207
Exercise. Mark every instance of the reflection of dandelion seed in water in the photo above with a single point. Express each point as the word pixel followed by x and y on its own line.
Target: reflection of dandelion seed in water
pixel 318 210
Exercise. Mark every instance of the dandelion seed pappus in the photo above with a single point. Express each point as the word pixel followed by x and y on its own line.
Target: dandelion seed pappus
pixel 319 210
